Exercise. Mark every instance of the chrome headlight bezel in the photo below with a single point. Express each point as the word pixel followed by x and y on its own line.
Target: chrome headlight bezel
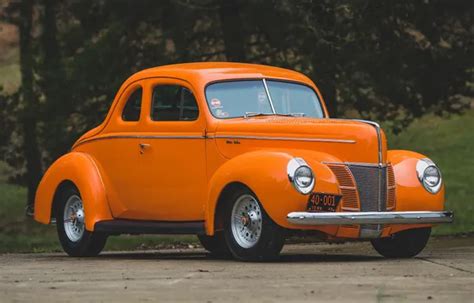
pixel 421 166
pixel 295 166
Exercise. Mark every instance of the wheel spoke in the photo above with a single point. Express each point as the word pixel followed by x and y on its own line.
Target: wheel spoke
pixel 73 228
pixel 246 221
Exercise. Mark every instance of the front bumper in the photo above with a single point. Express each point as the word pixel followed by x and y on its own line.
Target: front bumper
pixel 386 217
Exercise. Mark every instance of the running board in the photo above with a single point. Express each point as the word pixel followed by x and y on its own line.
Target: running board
pixel 121 226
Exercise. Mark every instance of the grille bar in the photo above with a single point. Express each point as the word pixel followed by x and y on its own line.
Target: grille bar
pixel 350 195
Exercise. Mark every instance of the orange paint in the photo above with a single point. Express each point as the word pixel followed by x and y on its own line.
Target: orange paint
pixel 176 170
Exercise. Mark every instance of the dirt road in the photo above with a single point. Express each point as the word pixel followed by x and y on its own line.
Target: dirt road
pixel 349 272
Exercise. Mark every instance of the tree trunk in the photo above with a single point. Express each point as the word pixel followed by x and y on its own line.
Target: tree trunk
pixel 56 107
pixel 30 107
pixel 231 22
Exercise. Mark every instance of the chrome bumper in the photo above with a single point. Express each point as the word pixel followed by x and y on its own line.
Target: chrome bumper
pixel 386 217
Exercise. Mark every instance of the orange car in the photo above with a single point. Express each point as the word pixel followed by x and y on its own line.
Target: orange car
pixel 240 155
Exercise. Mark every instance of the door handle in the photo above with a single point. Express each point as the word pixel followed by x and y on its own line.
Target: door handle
pixel 143 146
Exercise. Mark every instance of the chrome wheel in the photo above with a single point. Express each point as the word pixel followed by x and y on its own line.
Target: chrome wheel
pixel 74 218
pixel 246 222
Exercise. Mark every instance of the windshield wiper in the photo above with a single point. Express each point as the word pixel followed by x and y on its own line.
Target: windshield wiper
pixel 255 114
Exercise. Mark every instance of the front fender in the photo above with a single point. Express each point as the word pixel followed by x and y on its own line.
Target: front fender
pixel 410 193
pixel 80 169
pixel 265 173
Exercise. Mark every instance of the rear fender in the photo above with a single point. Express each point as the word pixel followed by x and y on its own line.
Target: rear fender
pixel 81 170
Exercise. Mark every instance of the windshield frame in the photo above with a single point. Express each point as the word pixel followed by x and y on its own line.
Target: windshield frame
pixel 321 104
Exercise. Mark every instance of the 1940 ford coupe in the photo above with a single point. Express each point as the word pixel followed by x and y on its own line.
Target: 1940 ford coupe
pixel 240 155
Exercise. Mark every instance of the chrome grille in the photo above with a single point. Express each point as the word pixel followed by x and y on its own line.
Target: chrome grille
pixel 371 184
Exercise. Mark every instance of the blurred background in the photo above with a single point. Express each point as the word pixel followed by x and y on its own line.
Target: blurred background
pixel 406 64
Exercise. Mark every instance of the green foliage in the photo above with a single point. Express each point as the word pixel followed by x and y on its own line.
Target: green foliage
pixel 17 232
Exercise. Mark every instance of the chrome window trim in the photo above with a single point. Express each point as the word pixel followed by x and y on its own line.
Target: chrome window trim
pixel 268 95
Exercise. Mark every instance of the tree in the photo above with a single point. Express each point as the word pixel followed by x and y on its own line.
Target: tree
pixel 29 104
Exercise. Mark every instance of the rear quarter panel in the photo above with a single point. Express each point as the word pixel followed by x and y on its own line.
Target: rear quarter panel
pixel 82 171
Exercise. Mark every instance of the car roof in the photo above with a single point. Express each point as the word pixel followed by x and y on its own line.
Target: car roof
pixel 205 72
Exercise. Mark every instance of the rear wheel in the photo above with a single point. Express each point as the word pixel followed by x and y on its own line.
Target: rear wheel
pixel 404 244
pixel 249 232
pixel 75 239
pixel 215 244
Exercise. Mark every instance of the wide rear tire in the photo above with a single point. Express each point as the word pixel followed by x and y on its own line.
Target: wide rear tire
pixel 74 238
pixel 404 244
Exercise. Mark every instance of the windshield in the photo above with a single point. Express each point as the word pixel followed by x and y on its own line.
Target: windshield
pixel 245 98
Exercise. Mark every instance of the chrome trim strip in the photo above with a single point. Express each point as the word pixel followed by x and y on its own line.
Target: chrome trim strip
pixel 379 137
pixel 216 137
pixel 284 139
pixel 377 129
pixel 268 95
pixel 356 164
pixel 386 217
pixel 138 137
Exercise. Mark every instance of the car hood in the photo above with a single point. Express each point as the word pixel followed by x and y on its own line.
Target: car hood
pixel 346 140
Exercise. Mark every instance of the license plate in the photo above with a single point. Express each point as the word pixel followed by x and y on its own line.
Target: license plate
pixel 320 202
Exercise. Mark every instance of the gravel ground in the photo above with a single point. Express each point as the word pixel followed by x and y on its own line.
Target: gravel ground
pixel 351 272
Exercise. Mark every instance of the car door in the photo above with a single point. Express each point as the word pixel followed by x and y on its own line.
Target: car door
pixel 174 158
pixel 118 154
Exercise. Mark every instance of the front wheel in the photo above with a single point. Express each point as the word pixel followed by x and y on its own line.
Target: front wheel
pixel 249 232
pixel 75 239
pixel 404 244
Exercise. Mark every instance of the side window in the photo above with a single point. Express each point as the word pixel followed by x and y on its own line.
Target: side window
pixel 132 109
pixel 173 103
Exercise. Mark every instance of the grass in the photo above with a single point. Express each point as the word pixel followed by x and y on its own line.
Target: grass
pixel 448 141
pixel 21 234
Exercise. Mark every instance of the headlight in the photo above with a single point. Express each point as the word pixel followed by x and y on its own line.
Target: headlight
pixel 429 175
pixel 301 175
